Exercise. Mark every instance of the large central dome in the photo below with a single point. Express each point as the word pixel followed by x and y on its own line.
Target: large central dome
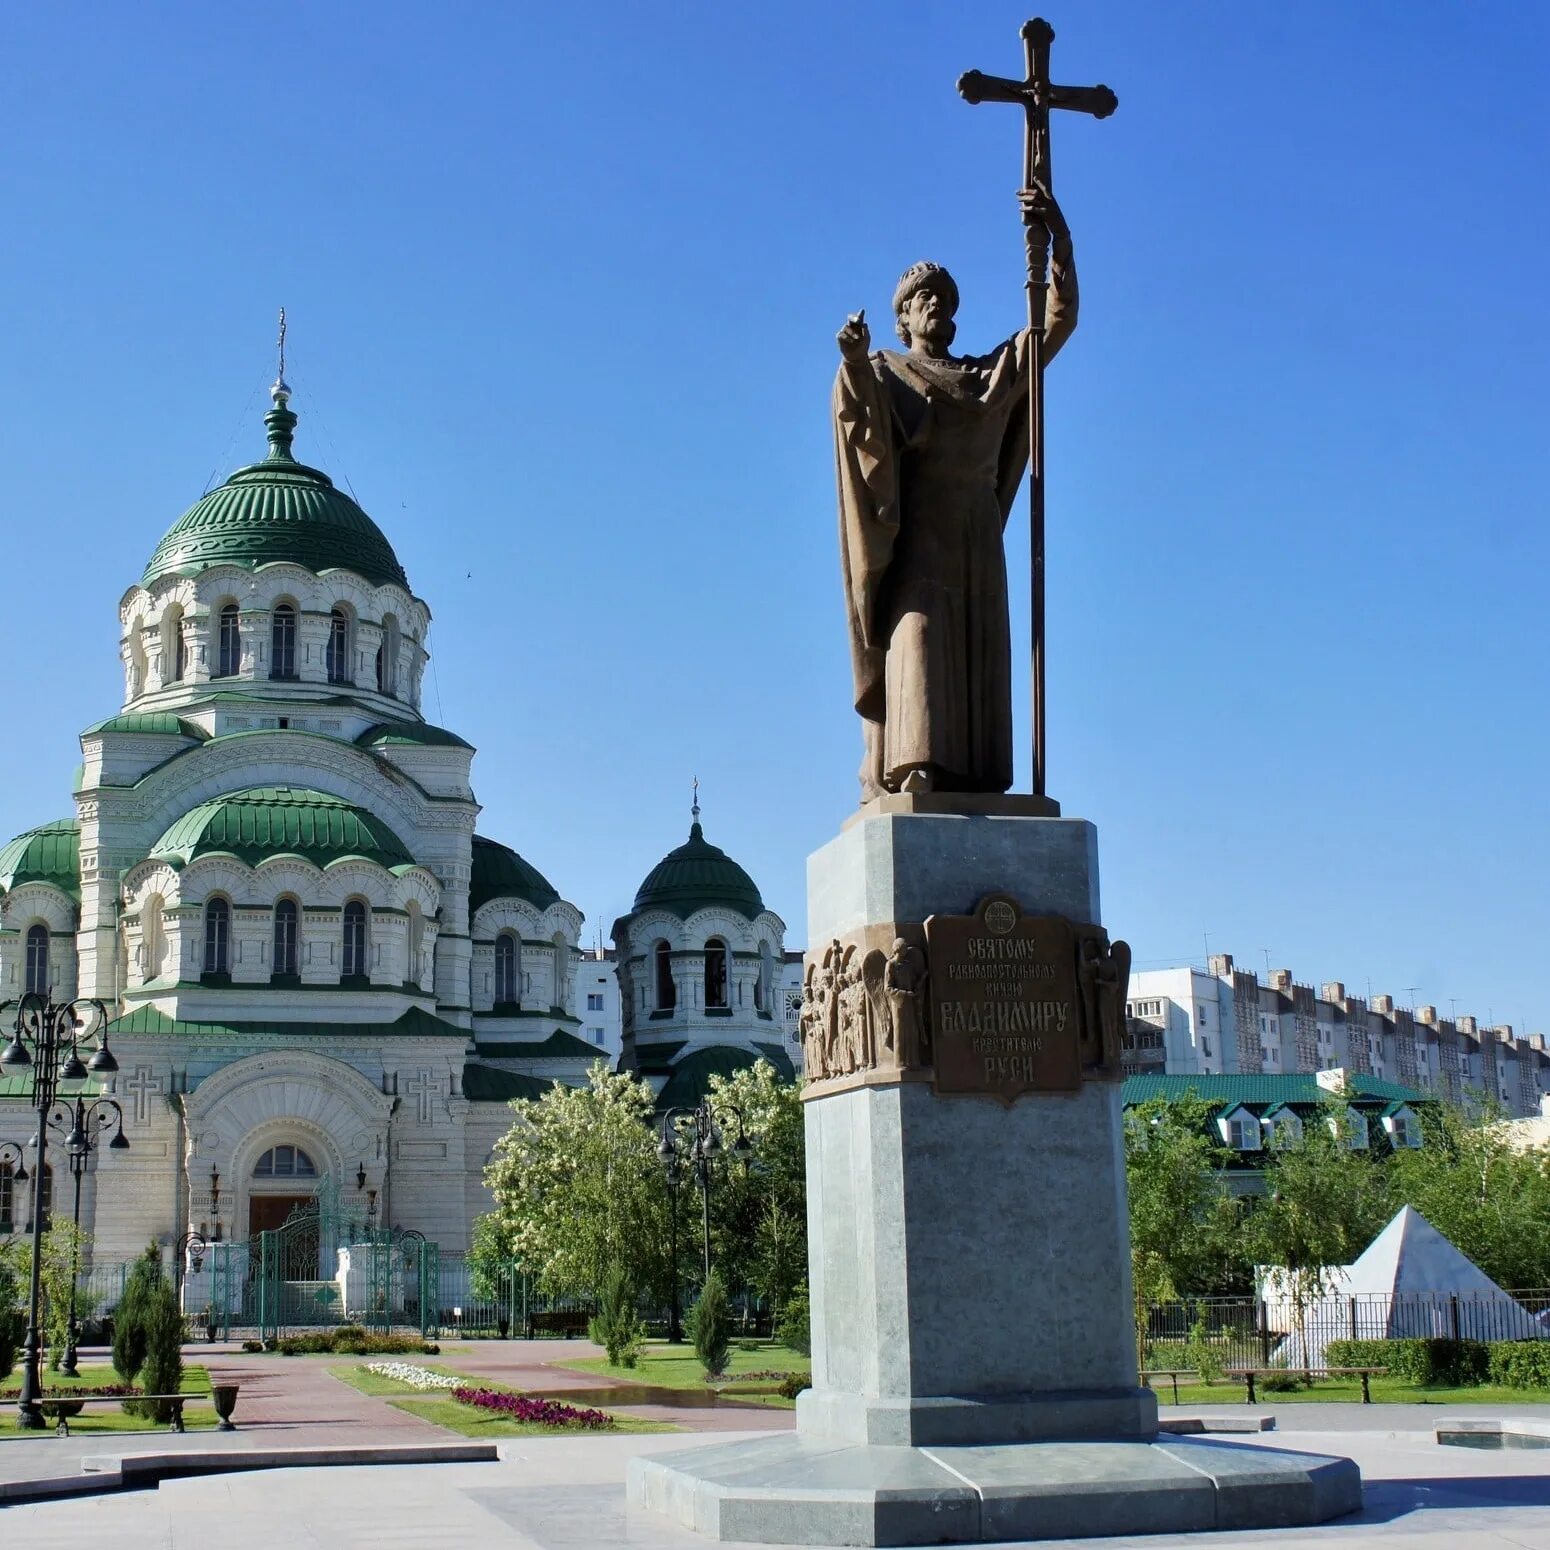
pixel 277 510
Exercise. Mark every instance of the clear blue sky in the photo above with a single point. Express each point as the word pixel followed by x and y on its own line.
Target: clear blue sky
pixel 563 284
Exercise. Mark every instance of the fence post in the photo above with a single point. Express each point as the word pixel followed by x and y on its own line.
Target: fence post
pixel 1352 1302
pixel 1453 1309
pixel 1264 1341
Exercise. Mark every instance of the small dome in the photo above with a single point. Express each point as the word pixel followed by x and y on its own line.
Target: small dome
pixel 281 820
pixel 500 873
pixel 696 876
pixel 48 854
pixel 420 734
pixel 277 510
pixel 156 723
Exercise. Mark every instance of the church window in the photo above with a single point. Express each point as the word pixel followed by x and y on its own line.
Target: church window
pixel 715 973
pixel 594 1001
pixel 354 960
pixel 217 937
pixel 339 647
pixel 285 933
pixel 667 994
pixel 37 961
pixel 282 638
pixel 285 1162
pixel 765 983
pixel 229 646
pixel 416 944
pixel 506 956
pixel 381 685
pixel 153 938
pixel 387 656
pixel 172 652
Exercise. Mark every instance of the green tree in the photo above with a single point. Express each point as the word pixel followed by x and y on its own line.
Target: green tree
pixel 1488 1196
pixel 64 1247
pixel 616 1326
pixel 759 1198
pixel 164 1334
pixel 12 1319
pixel 579 1188
pixel 132 1313
pixel 1325 1200
pixel 710 1326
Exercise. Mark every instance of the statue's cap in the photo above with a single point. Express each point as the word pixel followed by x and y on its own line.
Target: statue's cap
pixel 916 277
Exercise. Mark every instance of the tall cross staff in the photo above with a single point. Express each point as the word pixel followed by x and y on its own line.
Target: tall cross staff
pixel 1037 96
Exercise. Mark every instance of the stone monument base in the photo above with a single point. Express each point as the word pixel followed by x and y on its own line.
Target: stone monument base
pixel 794 1491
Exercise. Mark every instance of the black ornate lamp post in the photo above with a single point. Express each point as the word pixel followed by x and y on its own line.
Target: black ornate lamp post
pixel 48 1040
pixel 696 1145
pixel 82 1125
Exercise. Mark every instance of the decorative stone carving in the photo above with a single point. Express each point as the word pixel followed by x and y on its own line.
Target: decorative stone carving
pixel 1103 976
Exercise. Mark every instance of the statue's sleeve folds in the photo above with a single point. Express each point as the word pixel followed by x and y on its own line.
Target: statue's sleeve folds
pixel 866 471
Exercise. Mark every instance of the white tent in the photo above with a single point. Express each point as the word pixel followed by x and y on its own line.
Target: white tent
pixel 1410 1283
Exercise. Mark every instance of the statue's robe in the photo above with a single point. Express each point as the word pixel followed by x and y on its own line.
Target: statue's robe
pixel 929 455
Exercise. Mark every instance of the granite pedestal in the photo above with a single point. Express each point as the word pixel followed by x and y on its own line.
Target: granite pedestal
pixel 974 1369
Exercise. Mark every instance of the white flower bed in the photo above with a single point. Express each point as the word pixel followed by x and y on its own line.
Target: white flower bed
pixel 415 1377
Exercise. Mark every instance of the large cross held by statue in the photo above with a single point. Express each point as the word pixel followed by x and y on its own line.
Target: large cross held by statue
pixel 1036 95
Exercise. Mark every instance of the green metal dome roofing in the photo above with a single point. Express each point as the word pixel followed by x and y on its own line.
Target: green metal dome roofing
pixel 49 854
pixel 161 722
pixel 500 873
pixel 281 820
pixel 277 510
pixel 418 733
pixel 696 876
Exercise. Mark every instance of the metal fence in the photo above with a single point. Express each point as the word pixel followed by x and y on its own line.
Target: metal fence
pixel 1264 1332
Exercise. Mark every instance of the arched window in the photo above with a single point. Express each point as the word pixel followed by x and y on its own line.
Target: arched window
pixel 217 937
pixel 415 969
pixel 286 919
pixel 387 656
pixel 153 938
pixel 282 642
pixel 136 661
pixel 508 958
pixel 667 994
pixel 229 645
pixel 339 648
pixel 37 961
pixel 354 957
pixel 285 1162
pixel 715 973
pixel 172 656
pixel 764 985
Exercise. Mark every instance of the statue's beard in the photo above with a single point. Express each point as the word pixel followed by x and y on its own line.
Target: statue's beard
pixel 939 332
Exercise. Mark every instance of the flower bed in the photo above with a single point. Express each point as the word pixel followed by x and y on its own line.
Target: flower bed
pixel 545 1412
pixel 415 1377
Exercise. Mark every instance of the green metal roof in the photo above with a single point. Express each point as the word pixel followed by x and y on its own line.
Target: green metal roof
pixel 158 722
pixel 690 1079
pixel 1292 1087
pixel 418 733
pixel 281 820
pixel 696 876
pixel 490 1084
pixel 414 1024
pixel 276 510
pixel 559 1045
pixel 49 854
pixel 500 873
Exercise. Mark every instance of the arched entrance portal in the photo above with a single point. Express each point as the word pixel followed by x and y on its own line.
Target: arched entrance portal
pixel 283 1180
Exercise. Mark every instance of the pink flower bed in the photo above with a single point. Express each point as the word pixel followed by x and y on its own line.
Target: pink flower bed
pixel 547 1412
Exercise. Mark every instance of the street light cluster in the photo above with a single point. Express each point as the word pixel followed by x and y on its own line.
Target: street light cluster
pixel 692 1146
pixel 48 1040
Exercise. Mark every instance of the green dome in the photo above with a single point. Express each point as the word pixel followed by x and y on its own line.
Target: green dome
pixel 277 510
pixel 696 876
pixel 281 820
pixel 50 854
pixel 419 734
pixel 157 722
pixel 500 873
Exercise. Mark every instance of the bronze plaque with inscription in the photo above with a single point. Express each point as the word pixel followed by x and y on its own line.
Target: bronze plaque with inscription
pixel 1006 1016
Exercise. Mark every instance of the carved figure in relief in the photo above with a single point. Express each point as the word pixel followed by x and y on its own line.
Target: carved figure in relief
pixel 1103 973
pixel 904 984
pixel 874 969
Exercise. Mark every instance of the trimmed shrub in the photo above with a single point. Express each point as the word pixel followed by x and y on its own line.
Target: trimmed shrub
pixel 1449 1362
pixel 710 1326
pixel 794 1382
pixel 129 1318
pixel 1520 1364
pixel 164 1336
pixel 352 1340
pixel 794 1328
pixel 616 1326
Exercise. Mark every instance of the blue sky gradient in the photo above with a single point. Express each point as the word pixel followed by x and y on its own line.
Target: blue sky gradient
pixel 563 284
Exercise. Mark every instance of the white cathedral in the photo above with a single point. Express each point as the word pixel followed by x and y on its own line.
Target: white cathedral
pixel 314 967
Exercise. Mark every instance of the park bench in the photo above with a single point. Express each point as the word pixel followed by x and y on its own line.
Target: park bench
pixel 1248 1374
pixel 1175 1373
pixel 62 1406
pixel 570 1322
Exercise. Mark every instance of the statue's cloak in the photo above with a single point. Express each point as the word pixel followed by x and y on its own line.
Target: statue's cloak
pixel 929 456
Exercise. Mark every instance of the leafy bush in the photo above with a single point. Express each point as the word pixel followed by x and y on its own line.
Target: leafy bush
pixel 12 1324
pixel 616 1326
pixel 252 1346
pixel 794 1328
pixel 164 1336
pixel 131 1315
pixel 1202 1354
pixel 1281 1382
pixel 710 1326
pixel 1440 1361
pixel 794 1382
pixel 1520 1364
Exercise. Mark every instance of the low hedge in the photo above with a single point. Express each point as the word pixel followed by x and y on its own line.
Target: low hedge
pixel 352 1340
pixel 1520 1364
pixel 1441 1361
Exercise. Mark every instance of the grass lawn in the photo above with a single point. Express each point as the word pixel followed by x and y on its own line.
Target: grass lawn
pixel 677 1367
pixel 440 1410
pixel 1385 1391
pixel 97 1419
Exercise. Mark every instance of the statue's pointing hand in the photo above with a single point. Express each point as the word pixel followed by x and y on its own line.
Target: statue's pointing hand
pixel 855 339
